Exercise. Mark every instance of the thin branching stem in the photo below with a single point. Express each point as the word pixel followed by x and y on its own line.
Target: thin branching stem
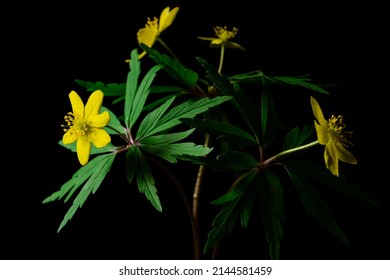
pixel 198 183
pixel 272 159
pixel 187 202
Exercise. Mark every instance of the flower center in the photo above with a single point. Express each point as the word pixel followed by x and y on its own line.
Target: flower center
pixel 75 125
pixel 337 127
pixel 224 34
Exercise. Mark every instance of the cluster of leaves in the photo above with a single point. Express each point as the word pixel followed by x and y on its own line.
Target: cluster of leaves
pixel 159 137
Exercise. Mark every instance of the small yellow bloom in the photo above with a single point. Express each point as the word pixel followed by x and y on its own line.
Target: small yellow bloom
pixel 223 37
pixel 85 125
pixel 332 134
pixel 152 30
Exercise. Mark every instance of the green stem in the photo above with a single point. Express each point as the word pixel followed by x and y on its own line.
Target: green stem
pixel 221 58
pixel 167 47
pixel 272 159
pixel 180 189
pixel 198 183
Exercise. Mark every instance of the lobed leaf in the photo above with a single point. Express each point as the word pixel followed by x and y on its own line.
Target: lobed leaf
pixel 227 218
pixel 187 109
pixel 111 89
pixel 314 204
pixel 150 121
pixel 223 130
pixel 319 173
pixel 136 95
pixel 173 67
pixel 272 209
pixel 297 136
pixel 259 77
pixel 114 126
pixel 92 175
pixel 131 87
pixel 145 181
pixel 235 161
pixel 228 88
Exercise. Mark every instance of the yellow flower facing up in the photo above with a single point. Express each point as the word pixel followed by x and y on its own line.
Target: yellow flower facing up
pixel 153 28
pixel 333 135
pixel 223 38
pixel 85 125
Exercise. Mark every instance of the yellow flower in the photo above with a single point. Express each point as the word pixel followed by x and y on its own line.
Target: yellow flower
pixel 85 125
pixel 152 30
pixel 223 37
pixel 332 134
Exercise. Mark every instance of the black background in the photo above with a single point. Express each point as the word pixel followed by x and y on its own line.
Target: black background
pixel 50 46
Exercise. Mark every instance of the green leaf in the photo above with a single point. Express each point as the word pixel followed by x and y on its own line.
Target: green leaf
pixel 247 205
pixel 259 77
pixel 324 177
pixel 227 88
pixel 265 100
pixel 92 175
pixel 131 87
pixel 173 67
pixel 167 89
pixel 235 161
pixel 208 162
pixel 187 109
pixel 145 181
pixel 161 146
pixel 297 136
pixel 237 189
pixel 171 152
pixel 272 209
pixel 131 162
pixel 150 122
pixel 233 205
pixel 136 96
pixel 109 148
pixel 256 76
pixel 78 178
pixel 223 130
pixel 299 81
pixel 114 126
pixel 269 119
pixel 167 138
pixel 315 205
pixel 162 93
pixel 223 224
pixel 111 89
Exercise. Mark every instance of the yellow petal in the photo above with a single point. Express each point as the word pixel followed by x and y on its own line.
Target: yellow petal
pixel 234 45
pixel 69 137
pixel 206 38
pixel 344 155
pixel 331 158
pixel 217 41
pixel 94 104
pixel 99 137
pixel 99 120
pixel 166 18
pixel 317 112
pixel 323 135
pixel 147 35
pixel 83 149
pixel 77 104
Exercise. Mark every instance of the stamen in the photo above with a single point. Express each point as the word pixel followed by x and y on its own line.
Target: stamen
pixel 69 119
pixel 151 23
pixel 224 34
pixel 337 128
